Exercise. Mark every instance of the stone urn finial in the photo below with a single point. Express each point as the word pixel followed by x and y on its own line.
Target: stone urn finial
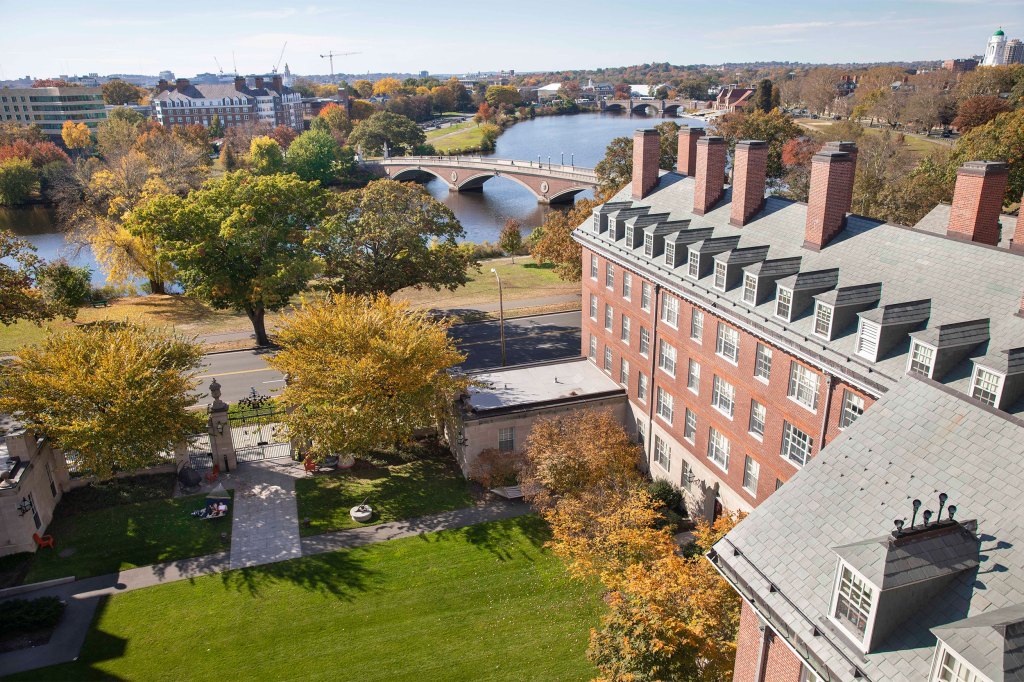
pixel 215 390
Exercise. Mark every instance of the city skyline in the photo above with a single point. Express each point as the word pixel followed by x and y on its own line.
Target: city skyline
pixel 119 37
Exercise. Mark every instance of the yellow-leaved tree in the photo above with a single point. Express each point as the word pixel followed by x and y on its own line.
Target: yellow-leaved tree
pixel 75 135
pixel 363 373
pixel 117 394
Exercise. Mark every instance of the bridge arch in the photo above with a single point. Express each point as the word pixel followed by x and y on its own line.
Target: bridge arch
pixel 646 108
pixel 672 109
pixel 566 196
pixel 615 107
pixel 475 182
pixel 416 175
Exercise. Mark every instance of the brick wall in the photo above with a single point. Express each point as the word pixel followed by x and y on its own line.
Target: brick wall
pixel 831 183
pixel 710 184
pixel 978 201
pixel 646 155
pixel 749 168
pixel 782 664
pixel 687 153
pixel 748 646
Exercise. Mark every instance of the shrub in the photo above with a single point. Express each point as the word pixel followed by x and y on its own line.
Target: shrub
pixel 494 469
pixel 65 286
pixel 670 520
pixel 665 494
pixel 29 615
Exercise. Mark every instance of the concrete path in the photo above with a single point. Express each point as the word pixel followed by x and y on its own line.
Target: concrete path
pixel 265 520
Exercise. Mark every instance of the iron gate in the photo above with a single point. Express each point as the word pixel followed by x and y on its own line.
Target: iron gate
pixel 258 434
pixel 200 452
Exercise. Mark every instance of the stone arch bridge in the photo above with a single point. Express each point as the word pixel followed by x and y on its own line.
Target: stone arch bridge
pixel 550 183
pixel 664 107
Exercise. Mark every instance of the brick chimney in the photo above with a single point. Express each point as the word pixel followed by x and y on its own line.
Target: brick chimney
pixel 829 200
pixel 162 85
pixel 239 83
pixel 276 83
pixel 1018 235
pixel 851 149
pixel 710 173
pixel 646 155
pixel 180 84
pixel 978 201
pixel 687 159
pixel 259 81
pixel 748 178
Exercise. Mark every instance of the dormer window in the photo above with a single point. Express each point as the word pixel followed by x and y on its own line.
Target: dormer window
pixel 649 245
pixel 670 253
pixel 823 320
pixel 750 289
pixel 867 339
pixel 986 386
pixel 922 359
pixel 783 303
pixel 693 268
pixel 720 269
pixel 853 603
pixel 629 235
pixel 952 668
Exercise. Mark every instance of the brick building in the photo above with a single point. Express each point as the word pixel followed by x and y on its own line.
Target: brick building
pixel 749 332
pixel 235 104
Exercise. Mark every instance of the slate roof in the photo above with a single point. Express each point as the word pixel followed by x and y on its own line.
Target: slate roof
pixel 938 218
pixel 920 439
pixel 961 281
pixel 216 91
pixel 992 642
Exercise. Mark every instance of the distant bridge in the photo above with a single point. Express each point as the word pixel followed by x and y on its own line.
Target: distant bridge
pixel 665 107
pixel 550 183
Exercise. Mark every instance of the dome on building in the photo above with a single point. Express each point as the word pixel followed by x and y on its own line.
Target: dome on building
pixel 999 32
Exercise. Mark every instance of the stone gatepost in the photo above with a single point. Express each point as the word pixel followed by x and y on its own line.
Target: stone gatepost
pixel 222 446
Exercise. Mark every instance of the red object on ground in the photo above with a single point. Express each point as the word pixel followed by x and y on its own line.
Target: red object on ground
pixel 214 474
pixel 44 541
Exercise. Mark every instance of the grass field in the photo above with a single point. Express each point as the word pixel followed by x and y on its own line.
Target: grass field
pixel 480 603
pixel 458 136
pixel 397 490
pixel 915 143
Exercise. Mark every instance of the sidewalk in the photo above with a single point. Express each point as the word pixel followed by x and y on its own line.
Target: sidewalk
pixel 265 520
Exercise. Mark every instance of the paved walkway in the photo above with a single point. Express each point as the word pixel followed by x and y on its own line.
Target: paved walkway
pixel 265 520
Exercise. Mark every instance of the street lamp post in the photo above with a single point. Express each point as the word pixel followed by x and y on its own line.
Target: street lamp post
pixel 562 161
pixel 501 316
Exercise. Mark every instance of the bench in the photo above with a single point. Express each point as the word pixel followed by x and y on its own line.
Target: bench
pixel 100 303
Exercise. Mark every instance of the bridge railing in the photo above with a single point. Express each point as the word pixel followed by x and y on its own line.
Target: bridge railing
pixel 486 163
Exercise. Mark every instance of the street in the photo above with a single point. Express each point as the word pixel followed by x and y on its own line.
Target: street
pixel 527 339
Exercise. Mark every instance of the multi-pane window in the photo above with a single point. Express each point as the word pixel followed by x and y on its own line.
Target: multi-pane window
pixel 750 289
pixel 986 386
pixel 624 372
pixel 822 319
pixel 609 314
pixel 796 445
pixel 593 307
pixel 758 414
pixel 728 343
pixel 627 285
pixel 593 348
pixel 693 376
pixel 952 668
pixel 662 454
pixel 641 431
pixel 624 335
pixel 697 325
pixel 720 269
pixel 670 311
pixel 645 296
pixel 664 405
pixel 670 254
pixel 593 267
pixel 783 303
pixel 693 266
pixel 608 359
pixel 803 385
pixel 853 407
pixel 666 357
pixel 609 275
pixel 723 396
pixel 853 602
pixel 645 341
pixel 641 387
pixel 718 448
pixel 922 358
pixel 763 362
pixel 506 439
pixel 690 427
pixel 649 245
pixel 751 471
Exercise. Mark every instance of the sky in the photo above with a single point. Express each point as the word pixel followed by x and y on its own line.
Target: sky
pixel 441 36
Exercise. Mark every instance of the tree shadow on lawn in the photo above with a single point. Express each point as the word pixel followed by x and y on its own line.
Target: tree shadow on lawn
pixel 502 538
pixel 342 574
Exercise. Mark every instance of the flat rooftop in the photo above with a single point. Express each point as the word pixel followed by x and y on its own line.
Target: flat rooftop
pixel 529 384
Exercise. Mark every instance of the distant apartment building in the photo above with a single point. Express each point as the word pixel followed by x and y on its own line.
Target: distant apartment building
pixel 958 66
pixel 49 108
pixel 235 104
pixel 1015 52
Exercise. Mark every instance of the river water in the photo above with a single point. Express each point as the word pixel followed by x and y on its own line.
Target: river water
pixel 581 138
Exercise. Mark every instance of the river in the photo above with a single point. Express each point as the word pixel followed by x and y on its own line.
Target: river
pixel 582 138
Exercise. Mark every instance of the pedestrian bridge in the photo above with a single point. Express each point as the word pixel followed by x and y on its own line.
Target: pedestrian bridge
pixel 652 107
pixel 550 183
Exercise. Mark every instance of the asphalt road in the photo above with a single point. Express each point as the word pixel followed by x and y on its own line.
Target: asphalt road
pixel 527 339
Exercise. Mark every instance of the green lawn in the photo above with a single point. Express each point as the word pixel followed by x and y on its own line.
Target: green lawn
pixel 396 490
pixel 107 539
pixel 480 603
pixel 459 136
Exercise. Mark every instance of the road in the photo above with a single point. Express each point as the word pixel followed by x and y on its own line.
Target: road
pixel 527 339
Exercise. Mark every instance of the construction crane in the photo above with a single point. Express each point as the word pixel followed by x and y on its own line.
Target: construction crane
pixel 332 55
pixel 279 58
pixel 220 69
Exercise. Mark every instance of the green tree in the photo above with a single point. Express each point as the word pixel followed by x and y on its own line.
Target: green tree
pixel 774 127
pixel 118 93
pixel 117 394
pixel 1001 139
pixel 125 114
pixel 979 110
pixel 265 156
pixel 503 95
pixel 337 121
pixel 19 297
pixel 511 239
pixel 763 95
pixel 556 245
pixel 489 134
pixel 615 170
pixel 216 126
pixel 364 373
pixel 400 133
pixel 227 158
pixel 17 180
pixel 64 287
pixel 314 156
pixel 241 242
pixel 668 132
pixel 388 236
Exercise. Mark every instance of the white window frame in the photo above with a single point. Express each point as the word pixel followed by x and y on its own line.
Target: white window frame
pixel 718 447
pixel 763 363
pixel 823 313
pixel 593 307
pixel 749 288
pixel 645 296
pixel 670 311
pixel 624 372
pixel 693 265
pixel 624 330
pixel 869 617
pixel 727 343
pixel 507 439
pixel 609 276
pixel 645 342
pixel 662 454
pixel 721 270
pixel 960 671
pixel 751 470
pixel 851 411
pixel 593 267
pixel 793 440
pixel 665 407
pixel 783 300
pixel 921 355
pixel 723 396
pixel 868 337
pixel 666 357
pixel 804 386
pixel 758 418
pixel 690 426
pixel 693 376
pixel 696 324
pixel 999 378
pixel 593 349
pixel 649 245
pixel 627 285
pixel 608 359
pixel 641 387
pixel 808 675
pixel 609 317
pixel 670 254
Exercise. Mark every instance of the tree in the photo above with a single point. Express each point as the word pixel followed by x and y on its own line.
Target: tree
pixel 17 180
pixel 117 394
pixel 283 135
pixel 668 140
pixel 818 90
pixel 555 243
pixel 265 156
pixel 796 158
pixel 615 170
pixel 763 95
pixel 442 98
pixel 227 158
pixel 126 114
pixel 360 110
pixel 64 287
pixel 484 113
pixel 337 121
pixel 489 134
pixel 76 135
pixel 511 239
pixel 1001 139
pixel 119 92
pixel 53 83
pixel 19 298
pixel 313 156
pixel 364 88
pixel 241 242
pixel 979 110
pixel 398 132
pixel 387 86
pixel 216 126
pixel 388 236
pixel 503 96
pixel 673 618
pixel 774 127
pixel 364 373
